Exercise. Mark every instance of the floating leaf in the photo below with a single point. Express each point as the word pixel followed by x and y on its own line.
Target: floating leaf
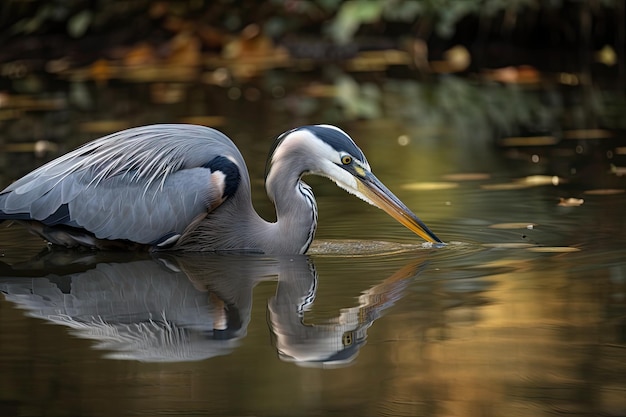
pixel 524 74
pixel 504 186
pixel 529 141
pixel 554 249
pixel 571 202
pixel 508 245
pixel 429 186
pixel 526 182
pixel 541 180
pixel 604 191
pixel 470 176
pixel 513 226
pixel 581 134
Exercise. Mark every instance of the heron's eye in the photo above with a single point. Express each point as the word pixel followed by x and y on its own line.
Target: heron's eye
pixel 346 159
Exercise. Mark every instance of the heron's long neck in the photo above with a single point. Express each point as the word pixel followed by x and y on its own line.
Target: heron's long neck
pixel 235 225
pixel 296 214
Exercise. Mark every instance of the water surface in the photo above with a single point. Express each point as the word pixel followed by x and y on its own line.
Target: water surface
pixel 522 313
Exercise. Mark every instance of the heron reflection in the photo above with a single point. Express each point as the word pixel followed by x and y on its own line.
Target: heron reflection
pixel 189 308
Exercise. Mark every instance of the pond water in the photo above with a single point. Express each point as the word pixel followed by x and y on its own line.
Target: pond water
pixel 522 313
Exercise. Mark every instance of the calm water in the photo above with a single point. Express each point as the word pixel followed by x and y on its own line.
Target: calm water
pixel 523 313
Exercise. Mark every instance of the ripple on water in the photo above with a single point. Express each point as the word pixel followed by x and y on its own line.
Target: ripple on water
pixel 354 247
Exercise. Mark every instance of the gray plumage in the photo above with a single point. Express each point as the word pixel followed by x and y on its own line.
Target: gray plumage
pixel 185 187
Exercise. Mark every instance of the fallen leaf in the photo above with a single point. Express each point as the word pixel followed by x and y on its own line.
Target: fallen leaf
pixel 504 186
pixel 580 134
pixel 524 74
pixel 541 180
pixel 429 186
pixel 570 202
pixel 604 191
pixel 554 249
pixel 470 176
pixel 529 141
pixel 512 225
pixel 508 245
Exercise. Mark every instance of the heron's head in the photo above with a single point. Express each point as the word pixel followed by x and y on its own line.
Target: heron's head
pixel 328 151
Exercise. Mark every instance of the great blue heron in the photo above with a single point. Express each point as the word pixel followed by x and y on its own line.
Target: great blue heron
pixel 176 186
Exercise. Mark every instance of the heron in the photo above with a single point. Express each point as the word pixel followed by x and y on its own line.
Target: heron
pixel 186 187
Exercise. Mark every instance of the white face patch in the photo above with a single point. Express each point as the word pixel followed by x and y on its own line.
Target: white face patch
pixel 315 156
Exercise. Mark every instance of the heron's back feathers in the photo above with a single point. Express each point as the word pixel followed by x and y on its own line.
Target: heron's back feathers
pixel 145 184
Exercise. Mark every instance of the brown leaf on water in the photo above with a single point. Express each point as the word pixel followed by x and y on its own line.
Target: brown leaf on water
pixel 469 176
pixel 529 141
pixel 604 191
pixel 526 182
pixel 571 202
pixel 508 245
pixel 541 180
pixel 554 249
pixel 581 134
pixel 504 186
pixel 524 74
pixel 520 225
pixel 429 186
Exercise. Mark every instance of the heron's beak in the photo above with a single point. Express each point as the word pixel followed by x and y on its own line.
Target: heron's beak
pixel 376 192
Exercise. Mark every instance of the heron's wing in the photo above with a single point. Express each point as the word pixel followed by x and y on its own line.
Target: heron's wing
pixel 142 184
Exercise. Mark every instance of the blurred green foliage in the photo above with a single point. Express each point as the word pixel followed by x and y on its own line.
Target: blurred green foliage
pixel 339 19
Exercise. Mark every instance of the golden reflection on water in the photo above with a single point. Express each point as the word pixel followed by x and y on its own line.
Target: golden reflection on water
pixel 539 343
pixel 512 334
